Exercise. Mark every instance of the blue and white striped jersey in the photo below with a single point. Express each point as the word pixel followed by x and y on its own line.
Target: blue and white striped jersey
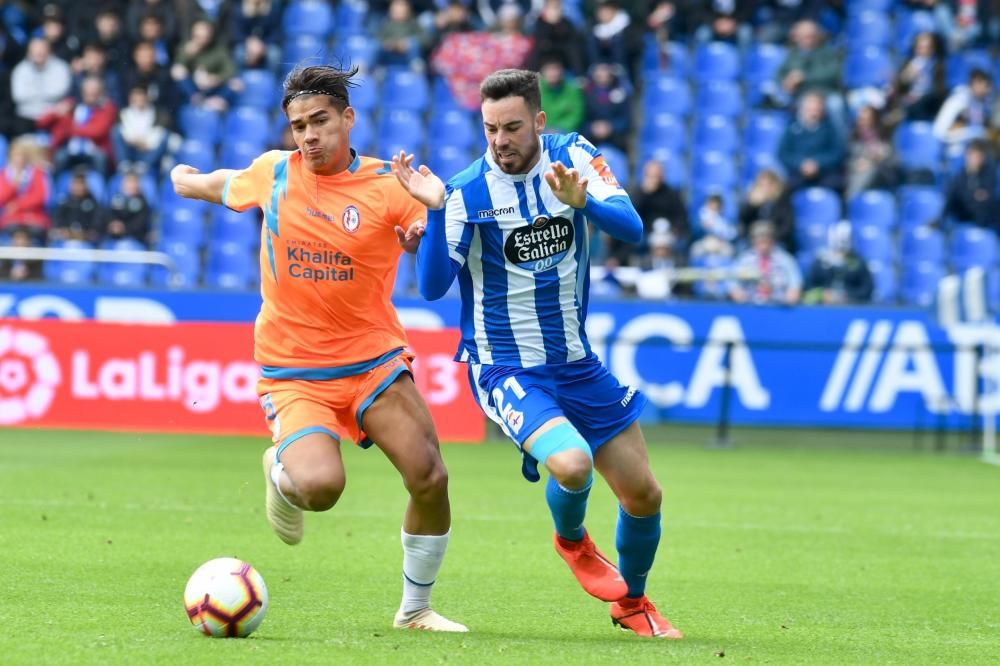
pixel 523 257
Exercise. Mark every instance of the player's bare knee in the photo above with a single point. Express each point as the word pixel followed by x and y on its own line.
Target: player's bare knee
pixel 643 500
pixel 430 484
pixel 572 468
pixel 319 489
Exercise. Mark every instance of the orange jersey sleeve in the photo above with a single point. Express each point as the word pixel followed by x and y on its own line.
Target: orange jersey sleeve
pixel 251 187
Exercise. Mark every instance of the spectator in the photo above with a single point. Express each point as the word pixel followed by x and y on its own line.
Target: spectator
pixel 723 20
pixel 21 270
pixel 556 38
pixel 203 68
pixel 78 216
pixel 490 10
pixel 81 129
pixel 609 118
pixel 155 78
pixel 24 188
pixel 128 213
pixel 254 29
pixel 37 84
pixel 139 139
pixel 160 10
pixel 972 194
pixel 657 269
pixel 870 163
pixel 810 65
pixel 718 232
pixel 63 46
pixel 773 17
pixel 93 62
pixel 454 18
pixel 151 30
pixel 838 275
pixel 608 40
pixel 768 199
pixel 811 149
pixel 967 113
pixel 109 34
pixel 562 99
pixel 655 201
pixel 401 38
pixel 667 20
pixel 919 88
pixel 778 278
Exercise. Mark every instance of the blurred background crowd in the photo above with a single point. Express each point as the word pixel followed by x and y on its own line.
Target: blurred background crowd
pixel 790 150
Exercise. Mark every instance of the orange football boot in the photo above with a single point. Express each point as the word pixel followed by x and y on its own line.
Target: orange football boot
pixel 640 615
pixel 598 576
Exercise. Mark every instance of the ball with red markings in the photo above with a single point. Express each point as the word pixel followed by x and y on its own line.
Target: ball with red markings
pixel 226 598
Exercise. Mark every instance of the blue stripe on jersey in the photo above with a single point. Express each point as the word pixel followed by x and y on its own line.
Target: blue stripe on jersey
pixel 496 317
pixel 547 303
pixel 467 319
pixel 582 256
pixel 522 201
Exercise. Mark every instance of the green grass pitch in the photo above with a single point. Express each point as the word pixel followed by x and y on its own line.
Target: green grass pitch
pixel 794 547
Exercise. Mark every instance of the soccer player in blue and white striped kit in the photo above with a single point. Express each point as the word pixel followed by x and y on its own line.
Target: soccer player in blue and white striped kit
pixel 513 228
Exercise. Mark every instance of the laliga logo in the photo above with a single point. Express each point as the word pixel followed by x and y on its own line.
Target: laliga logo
pixel 29 375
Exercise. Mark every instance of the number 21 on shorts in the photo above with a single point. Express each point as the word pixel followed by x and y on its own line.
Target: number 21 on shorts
pixel 504 399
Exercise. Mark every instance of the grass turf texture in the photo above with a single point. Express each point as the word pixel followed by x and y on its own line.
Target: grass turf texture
pixel 791 548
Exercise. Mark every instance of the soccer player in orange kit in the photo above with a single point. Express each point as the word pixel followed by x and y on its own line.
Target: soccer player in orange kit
pixel 333 353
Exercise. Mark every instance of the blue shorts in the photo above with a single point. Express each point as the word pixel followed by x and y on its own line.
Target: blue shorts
pixel 584 391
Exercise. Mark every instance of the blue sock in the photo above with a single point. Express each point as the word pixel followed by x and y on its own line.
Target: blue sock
pixel 568 508
pixel 636 539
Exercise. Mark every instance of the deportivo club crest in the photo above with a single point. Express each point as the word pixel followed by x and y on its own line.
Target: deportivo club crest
pixel 351 219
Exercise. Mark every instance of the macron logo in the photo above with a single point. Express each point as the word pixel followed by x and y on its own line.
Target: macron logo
pixel 628 396
pixel 496 212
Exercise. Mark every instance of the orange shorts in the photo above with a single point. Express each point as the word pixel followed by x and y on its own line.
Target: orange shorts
pixel 294 408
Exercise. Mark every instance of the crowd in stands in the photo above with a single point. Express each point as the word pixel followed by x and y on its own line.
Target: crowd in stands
pixel 792 151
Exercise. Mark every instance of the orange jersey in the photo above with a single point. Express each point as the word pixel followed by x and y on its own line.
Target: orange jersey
pixel 328 257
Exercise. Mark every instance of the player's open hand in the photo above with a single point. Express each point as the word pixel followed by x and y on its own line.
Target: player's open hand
pixel 567 185
pixel 409 238
pixel 421 183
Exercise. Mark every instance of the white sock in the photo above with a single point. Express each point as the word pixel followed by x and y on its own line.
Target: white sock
pixel 422 557
pixel 277 473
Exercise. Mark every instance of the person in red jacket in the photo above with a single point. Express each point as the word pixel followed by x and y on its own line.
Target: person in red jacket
pixel 24 189
pixel 81 129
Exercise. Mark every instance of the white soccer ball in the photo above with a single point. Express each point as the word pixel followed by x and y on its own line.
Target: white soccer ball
pixel 226 598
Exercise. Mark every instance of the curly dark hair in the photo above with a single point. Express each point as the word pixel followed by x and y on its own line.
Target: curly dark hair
pixel 512 83
pixel 320 80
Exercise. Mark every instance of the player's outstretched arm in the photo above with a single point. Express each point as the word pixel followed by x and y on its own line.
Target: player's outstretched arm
pixel 192 184
pixel 615 215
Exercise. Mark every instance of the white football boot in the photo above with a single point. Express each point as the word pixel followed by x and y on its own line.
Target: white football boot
pixel 285 519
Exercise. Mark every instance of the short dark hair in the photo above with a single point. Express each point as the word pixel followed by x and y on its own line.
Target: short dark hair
pixel 320 80
pixel 512 83
pixel 979 73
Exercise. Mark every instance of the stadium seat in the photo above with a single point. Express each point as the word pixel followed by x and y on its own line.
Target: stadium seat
pixel 446 161
pixel 816 204
pixel 873 207
pixel 402 127
pixel 730 203
pixel 231 266
pixel 908 25
pixel 672 57
pixel 869 28
pixel 919 204
pixel 3 151
pixel 240 153
pixel 719 97
pixel 70 272
pixel 763 132
pixel 617 161
pixel 302 48
pixel 753 163
pixel 922 244
pixel 675 171
pixel 715 132
pixel 198 154
pixel 974 246
pixel 184 223
pixel 712 169
pixel 357 50
pixel 147 185
pixel 199 124
pixel 716 61
pixel 886 282
pixel 920 282
pixel 246 123
pixel 873 242
pixel 959 65
pixel 363 133
pixel 812 236
pixel 762 63
pixel 405 89
pixel 859 6
pixel 441 96
pixel 95 182
pixel 664 130
pixel 229 226
pixel 364 96
pixel 868 66
pixel 666 93
pixel 917 147
pixel 308 17
pixel 187 266
pixel 259 89
pixel 452 127
pixel 124 274
pixel 350 18
pixel 715 289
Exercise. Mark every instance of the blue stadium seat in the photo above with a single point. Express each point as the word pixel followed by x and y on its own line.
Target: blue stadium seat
pixel 308 17
pixel 715 132
pixel 974 246
pixel 716 61
pixel 357 50
pixel 400 127
pixel 730 203
pixel 617 161
pixel 453 127
pixel 406 89
pixel 70 272
pixel 406 275
pixel 231 266
pixel 260 88
pixel 351 17
pixel 717 289
pixel 719 97
pixel 187 266
pixel 922 244
pixel 198 154
pixel 240 153
pixel 664 130
pixel 908 25
pixel 672 57
pixel 873 207
pixel 675 171
pixel 229 226
pixel 816 204
pixel 363 133
pixel 753 163
pixel 760 69
pixel 870 28
pixel 446 161
pixel 123 274
pixel 147 185
pixel 917 147
pixel 713 169
pixel 95 182
pixel 959 65
pixel 873 242
pixel 919 204
pixel 441 95
pixel 666 93
pixel 185 224
pixel 364 96
pixel 3 151
pixel 869 66
pixel 302 49
pixel 246 123
pixel 886 282
pixel 920 282
pixel 199 124
pixel 812 236
pixel 855 7
pixel 764 130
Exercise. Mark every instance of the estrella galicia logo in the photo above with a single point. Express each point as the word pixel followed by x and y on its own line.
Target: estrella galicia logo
pixel 540 245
